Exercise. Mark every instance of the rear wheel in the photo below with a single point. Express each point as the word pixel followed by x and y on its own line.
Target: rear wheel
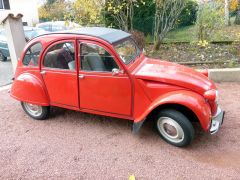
pixel 174 127
pixel 35 111
pixel 2 57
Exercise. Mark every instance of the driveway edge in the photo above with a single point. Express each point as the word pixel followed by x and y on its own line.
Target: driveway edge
pixel 225 75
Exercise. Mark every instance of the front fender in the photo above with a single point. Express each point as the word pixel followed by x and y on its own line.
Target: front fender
pixel 29 88
pixel 193 101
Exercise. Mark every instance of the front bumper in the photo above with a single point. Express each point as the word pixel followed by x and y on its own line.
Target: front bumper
pixel 217 121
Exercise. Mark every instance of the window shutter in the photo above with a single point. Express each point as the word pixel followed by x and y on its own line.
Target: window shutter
pixel 6 4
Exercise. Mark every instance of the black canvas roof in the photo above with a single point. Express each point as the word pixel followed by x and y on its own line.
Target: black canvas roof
pixel 107 34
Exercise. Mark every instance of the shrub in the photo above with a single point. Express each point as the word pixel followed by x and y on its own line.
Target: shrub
pixel 189 14
pixel 209 19
pixel 139 37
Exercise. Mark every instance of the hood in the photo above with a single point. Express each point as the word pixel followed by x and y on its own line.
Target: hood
pixel 175 74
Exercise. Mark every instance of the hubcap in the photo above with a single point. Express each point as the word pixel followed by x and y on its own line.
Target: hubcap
pixel 33 109
pixel 170 129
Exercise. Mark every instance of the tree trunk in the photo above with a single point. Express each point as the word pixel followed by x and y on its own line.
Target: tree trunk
pixel 157 45
pixel 226 11
pixel 237 20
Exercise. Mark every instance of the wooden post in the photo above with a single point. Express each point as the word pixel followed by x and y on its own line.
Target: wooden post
pixel 15 37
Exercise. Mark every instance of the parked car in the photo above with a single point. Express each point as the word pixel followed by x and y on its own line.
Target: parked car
pixel 102 71
pixel 30 32
pixel 4 52
pixel 54 26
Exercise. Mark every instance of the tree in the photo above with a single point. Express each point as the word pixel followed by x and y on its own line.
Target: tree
pixel 53 10
pixel 188 15
pixel 237 20
pixel 209 19
pixel 122 11
pixel 166 15
pixel 144 17
pixel 226 12
pixel 85 12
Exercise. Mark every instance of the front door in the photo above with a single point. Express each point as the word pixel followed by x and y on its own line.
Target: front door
pixel 103 85
pixel 60 74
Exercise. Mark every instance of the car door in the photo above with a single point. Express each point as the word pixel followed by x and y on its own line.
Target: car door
pixel 60 75
pixel 103 84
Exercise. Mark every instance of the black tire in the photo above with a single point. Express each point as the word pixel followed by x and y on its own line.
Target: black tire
pixel 168 122
pixel 2 57
pixel 41 115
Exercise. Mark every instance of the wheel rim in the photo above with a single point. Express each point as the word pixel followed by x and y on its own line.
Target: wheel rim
pixel 33 109
pixel 170 129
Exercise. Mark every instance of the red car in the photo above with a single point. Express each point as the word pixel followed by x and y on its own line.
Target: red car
pixel 103 71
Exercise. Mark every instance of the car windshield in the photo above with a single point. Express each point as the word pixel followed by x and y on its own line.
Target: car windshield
pixel 127 50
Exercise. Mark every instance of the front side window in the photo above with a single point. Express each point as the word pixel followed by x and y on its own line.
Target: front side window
pixel 31 57
pixel 127 50
pixel 96 58
pixel 60 56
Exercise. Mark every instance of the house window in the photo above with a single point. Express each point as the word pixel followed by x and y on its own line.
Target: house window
pixel 4 4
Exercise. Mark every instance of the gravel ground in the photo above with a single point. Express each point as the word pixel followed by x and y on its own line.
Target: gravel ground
pixel 73 145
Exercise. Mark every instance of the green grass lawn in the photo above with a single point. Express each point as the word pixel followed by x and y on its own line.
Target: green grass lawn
pixel 185 34
pixel 188 34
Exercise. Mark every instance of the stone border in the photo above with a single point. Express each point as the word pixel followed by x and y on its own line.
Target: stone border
pixel 225 75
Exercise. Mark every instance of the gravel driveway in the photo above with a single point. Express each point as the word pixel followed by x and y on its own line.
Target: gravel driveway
pixel 73 145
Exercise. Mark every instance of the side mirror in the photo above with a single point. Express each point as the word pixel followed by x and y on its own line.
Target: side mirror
pixel 116 71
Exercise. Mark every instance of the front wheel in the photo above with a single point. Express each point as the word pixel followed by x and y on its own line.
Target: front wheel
pixel 174 127
pixel 35 111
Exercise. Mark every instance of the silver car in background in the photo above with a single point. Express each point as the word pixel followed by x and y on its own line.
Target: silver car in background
pixel 54 26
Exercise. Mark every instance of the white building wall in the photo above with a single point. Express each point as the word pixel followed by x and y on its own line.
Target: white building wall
pixel 28 8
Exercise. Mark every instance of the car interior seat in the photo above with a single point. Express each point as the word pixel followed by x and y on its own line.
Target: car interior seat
pixel 58 58
pixel 95 62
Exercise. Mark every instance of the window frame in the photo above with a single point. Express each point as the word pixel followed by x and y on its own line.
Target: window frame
pixel 39 58
pixel 80 42
pixel 53 44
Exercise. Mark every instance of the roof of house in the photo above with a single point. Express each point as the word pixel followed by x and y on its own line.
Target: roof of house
pixel 108 34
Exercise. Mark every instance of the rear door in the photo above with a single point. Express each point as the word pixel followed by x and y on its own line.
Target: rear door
pixel 60 74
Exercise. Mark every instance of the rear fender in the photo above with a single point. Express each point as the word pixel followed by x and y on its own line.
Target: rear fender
pixel 29 88
pixel 191 100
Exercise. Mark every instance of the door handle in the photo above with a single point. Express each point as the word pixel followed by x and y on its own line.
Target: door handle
pixel 43 72
pixel 81 76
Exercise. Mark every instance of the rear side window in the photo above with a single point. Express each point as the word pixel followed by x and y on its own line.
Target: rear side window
pixel 31 57
pixel 60 56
